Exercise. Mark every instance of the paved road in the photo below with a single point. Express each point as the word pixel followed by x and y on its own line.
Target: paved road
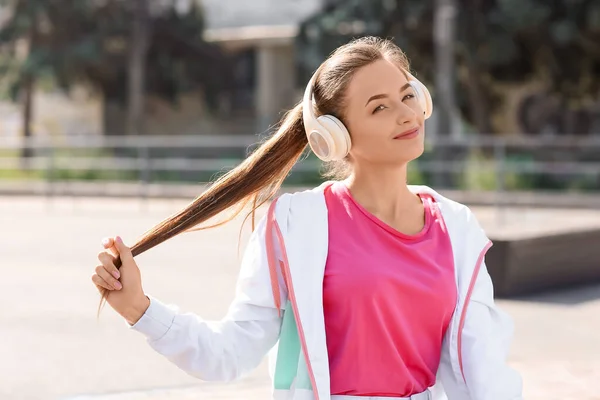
pixel 52 346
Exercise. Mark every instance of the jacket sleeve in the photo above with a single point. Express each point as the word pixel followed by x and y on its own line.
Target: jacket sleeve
pixel 486 339
pixel 230 348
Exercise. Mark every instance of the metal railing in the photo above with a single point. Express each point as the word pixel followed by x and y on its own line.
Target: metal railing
pixel 135 154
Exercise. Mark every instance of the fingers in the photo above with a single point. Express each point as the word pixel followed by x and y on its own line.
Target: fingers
pixel 109 244
pixel 108 261
pixel 107 271
pixel 107 275
pixel 124 251
pixel 101 283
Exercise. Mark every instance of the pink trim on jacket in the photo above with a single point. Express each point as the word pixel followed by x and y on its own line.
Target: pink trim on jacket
pixel 467 300
pixel 272 223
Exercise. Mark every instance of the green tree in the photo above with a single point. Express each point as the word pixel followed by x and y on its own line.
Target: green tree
pixel 552 47
pixel 94 42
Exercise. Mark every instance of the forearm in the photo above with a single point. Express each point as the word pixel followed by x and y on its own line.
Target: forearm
pixel 211 351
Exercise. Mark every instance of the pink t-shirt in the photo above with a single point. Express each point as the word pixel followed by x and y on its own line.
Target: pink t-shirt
pixel 388 299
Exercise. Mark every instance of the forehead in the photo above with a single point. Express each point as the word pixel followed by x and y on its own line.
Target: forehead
pixel 378 77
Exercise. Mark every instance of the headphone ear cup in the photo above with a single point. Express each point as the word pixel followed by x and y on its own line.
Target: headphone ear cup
pixel 337 137
pixel 424 97
pixel 320 143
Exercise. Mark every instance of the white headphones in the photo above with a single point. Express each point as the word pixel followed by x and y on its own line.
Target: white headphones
pixel 328 137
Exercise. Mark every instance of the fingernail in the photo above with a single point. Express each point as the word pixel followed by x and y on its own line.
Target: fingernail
pixel 118 285
pixel 105 242
pixel 116 274
pixel 118 239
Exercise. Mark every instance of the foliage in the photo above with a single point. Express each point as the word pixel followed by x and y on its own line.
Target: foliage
pixel 87 41
pixel 499 43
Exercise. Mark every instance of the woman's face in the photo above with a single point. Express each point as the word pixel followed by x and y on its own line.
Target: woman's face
pixel 383 116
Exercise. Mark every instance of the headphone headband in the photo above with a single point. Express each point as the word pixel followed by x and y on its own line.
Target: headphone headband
pixel 308 113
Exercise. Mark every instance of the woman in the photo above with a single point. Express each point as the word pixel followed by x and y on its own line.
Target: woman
pixel 364 286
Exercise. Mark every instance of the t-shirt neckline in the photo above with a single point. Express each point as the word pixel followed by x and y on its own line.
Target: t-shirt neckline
pixel 426 199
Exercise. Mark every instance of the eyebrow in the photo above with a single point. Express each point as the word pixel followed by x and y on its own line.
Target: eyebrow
pixel 383 95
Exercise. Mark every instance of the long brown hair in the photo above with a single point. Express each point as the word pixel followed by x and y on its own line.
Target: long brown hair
pixel 258 178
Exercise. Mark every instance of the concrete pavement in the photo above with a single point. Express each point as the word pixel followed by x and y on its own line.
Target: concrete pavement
pixel 52 346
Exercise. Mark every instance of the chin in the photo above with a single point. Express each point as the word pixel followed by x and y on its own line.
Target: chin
pixel 404 158
pixel 413 152
pixel 421 150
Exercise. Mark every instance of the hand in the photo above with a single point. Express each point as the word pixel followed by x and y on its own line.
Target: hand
pixel 124 285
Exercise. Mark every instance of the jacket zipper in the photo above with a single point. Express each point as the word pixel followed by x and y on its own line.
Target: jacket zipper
pixel 466 306
pixel 288 280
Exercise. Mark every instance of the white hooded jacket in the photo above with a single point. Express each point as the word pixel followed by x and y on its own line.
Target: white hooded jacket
pixel 474 350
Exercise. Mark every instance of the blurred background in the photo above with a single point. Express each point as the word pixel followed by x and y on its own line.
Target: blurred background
pixel 177 90
pixel 115 113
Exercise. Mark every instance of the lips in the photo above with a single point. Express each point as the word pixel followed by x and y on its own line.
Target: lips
pixel 410 133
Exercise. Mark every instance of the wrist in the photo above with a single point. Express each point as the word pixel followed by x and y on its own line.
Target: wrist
pixel 137 310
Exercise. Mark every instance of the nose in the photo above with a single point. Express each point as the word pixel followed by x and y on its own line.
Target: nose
pixel 406 115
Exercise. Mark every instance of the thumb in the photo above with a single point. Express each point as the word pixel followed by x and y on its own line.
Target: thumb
pixel 107 242
pixel 124 251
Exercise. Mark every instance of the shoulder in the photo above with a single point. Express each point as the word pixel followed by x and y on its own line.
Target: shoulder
pixel 302 200
pixel 299 208
pixel 447 203
pixel 454 213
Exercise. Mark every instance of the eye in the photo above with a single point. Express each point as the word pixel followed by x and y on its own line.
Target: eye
pixel 379 108
pixel 408 97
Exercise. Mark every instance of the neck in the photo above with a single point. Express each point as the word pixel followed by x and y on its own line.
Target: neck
pixel 382 191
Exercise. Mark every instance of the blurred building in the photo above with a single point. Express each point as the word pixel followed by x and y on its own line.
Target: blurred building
pixel 260 38
pixel 260 35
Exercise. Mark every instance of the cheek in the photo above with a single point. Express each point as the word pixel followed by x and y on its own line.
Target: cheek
pixel 419 112
pixel 371 132
pixel 371 140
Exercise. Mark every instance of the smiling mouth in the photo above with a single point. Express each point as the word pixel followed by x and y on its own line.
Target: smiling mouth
pixel 411 133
